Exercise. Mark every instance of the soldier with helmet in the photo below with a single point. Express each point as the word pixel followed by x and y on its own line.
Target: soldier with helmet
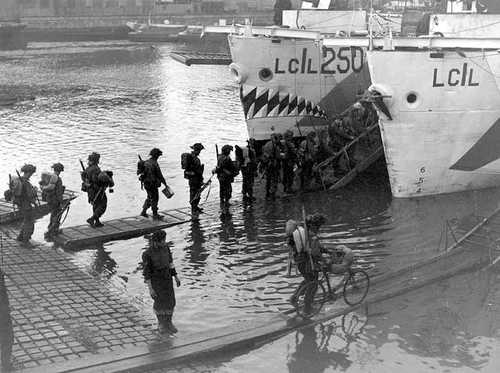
pixel 194 173
pixel 270 166
pixel 289 161
pixel 95 184
pixel 52 193
pixel 25 198
pixel 226 171
pixel 152 179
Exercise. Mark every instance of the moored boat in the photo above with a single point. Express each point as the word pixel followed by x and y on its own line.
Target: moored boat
pixel 154 32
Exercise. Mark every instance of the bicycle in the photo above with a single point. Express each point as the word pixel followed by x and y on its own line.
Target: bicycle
pixel 312 296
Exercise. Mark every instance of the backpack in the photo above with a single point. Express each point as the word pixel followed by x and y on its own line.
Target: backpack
pixel 15 192
pixel 185 160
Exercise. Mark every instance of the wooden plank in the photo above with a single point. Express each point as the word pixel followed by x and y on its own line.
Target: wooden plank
pixel 183 211
pixel 174 214
pixel 116 229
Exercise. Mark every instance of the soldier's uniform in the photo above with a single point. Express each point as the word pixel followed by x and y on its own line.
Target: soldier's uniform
pixel 289 161
pixel 307 152
pixel 25 198
pixel 226 171
pixel 248 170
pixel 194 173
pixel 153 179
pixel 271 164
pixel 97 182
pixel 54 195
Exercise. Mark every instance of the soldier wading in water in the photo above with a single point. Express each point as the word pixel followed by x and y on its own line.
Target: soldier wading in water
pixel 226 171
pixel 158 270
pixel 193 171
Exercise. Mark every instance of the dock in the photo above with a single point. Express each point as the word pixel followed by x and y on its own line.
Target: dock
pixel 10 213
pixel 199 58
pixel 120 229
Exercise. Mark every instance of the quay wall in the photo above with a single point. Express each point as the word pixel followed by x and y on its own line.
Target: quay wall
pixel 45 28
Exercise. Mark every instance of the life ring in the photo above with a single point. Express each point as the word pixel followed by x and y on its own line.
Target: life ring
pixel 239 74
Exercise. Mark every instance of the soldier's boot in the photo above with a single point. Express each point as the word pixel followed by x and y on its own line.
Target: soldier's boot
pixel 91 221
pixel 157 216
pixel 162 326
pixel 169 324
pixel 97 223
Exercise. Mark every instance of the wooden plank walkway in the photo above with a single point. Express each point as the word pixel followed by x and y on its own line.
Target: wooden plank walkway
pixel 120 229
pixel 198 58
pixel 9 214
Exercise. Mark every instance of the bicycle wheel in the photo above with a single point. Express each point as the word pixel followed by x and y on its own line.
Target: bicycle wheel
pixel 310 299
pixel 356 287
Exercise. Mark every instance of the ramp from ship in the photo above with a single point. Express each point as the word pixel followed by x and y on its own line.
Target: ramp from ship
pixel 366 148
pixel 200 58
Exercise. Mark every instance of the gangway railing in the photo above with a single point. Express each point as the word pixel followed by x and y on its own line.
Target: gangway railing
pixel 320 167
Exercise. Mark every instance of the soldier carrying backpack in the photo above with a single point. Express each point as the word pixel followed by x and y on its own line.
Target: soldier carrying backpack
pixel 193 172
pixel 151 178
pixel 24 196
pixel 52 193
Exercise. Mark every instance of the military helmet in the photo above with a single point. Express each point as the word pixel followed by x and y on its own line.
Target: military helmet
pixel 155 152
pixel 226 149
pixel 197 146
pixel 288 134
pixel 158 236
pixel 315 220
pixel 28 168
pixel 94 157
pixel 58 166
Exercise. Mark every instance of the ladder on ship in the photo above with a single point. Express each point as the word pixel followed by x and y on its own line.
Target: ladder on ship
pixel 368 143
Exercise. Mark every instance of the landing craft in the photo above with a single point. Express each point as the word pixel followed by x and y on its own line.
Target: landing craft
pixel 444 103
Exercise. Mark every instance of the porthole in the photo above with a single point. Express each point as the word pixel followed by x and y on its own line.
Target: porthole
pixel 265 74
pixel 411 98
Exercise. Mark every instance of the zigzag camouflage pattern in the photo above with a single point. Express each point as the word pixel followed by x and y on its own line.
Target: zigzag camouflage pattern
pixel 267 102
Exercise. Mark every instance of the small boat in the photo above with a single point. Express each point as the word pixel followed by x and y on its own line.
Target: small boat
pixel 194 35
pixel 154 32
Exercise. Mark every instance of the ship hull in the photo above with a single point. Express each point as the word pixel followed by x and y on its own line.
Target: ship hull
pixel 293 84
pixel 444 127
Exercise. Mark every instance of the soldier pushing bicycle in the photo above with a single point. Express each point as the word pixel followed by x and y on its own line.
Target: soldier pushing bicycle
pixel 316 262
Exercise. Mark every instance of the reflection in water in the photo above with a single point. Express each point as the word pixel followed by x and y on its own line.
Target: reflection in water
pixel 249 224
pixel 102 263
pixel 6 333
pixel 326 345
pixel 197 253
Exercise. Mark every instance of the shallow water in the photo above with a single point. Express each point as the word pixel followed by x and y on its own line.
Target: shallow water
pixel 122 99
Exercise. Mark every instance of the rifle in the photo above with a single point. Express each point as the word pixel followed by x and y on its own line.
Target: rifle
pixel 306 234
pixel 33 190
pixel 12 195
pixel 202 188
pixel 140 179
